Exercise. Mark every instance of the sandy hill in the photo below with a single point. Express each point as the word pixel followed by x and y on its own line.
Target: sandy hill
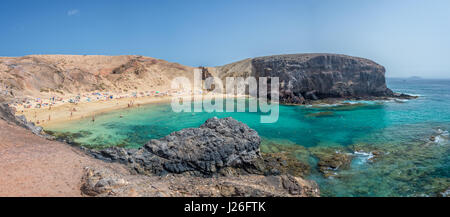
pixel 40 75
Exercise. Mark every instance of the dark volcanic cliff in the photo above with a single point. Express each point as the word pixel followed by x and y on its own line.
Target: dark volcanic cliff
pixel 315 76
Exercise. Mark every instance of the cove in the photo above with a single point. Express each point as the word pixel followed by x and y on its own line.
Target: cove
pixel 400 130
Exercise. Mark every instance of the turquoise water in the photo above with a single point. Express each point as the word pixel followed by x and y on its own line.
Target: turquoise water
pixel 398 128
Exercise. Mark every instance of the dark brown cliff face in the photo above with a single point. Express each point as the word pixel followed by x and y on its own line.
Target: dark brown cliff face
pixel 317 76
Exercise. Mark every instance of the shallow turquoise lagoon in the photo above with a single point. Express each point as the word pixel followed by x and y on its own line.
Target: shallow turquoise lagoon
pixel 400 128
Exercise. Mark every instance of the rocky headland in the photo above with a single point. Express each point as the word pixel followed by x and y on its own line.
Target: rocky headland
pixel 305 78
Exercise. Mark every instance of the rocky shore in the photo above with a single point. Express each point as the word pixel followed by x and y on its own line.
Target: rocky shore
pixel 222 155
pixel 7 115
pixel 103 182
pixel 220 158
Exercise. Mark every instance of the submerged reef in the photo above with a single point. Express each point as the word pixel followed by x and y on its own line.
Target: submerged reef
pixel 415 168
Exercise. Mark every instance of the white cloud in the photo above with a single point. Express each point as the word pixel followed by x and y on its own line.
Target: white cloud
pixel 73 12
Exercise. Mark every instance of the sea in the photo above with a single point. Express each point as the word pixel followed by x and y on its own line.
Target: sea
pixel 410 137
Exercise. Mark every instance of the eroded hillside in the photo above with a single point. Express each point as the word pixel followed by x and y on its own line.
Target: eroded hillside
pixel 42 75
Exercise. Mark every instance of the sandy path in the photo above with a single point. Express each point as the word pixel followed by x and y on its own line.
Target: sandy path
pixel 33 166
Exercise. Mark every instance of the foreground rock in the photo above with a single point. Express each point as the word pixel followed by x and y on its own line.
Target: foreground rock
pixel 223 147
pixel 7 114
pixel 220 158
pixel 309 77
pixel 207 150
pixel 106 182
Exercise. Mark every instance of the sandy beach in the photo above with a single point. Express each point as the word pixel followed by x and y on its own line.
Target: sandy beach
pixel 73 111
pixel 46 116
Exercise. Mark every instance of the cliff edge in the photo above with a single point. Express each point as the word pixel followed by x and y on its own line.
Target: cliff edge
pixel 306 77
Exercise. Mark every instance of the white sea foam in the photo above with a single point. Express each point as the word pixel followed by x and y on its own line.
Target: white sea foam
pixel 442 137
pixel 363 157
pixel 352 102
pixel 443 132
pixel 401 100
pixel 414 94
pixel 371 102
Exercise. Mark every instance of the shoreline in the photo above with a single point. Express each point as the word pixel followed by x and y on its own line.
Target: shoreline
pixel 65 112
pixel 152 100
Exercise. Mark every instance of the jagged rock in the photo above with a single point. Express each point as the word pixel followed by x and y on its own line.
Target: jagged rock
pixel 297 186
pixel 7 114
pixel 329 163
pixel 222 147
pixel 205 73
pixel 217 144
pixel 311 95
pixel 185 161
pixel 95 182
pixel 289 97
pixel 281 163
pixel 404 96
pixel 106 182
pixel 331 160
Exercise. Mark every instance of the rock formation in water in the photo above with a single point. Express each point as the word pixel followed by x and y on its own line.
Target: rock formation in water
pixel 225 149
pixel 222 148
pixel 306 77
pixel 218 147
pixel 216 144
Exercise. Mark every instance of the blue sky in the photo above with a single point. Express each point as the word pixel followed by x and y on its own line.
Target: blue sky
pixel 408 37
